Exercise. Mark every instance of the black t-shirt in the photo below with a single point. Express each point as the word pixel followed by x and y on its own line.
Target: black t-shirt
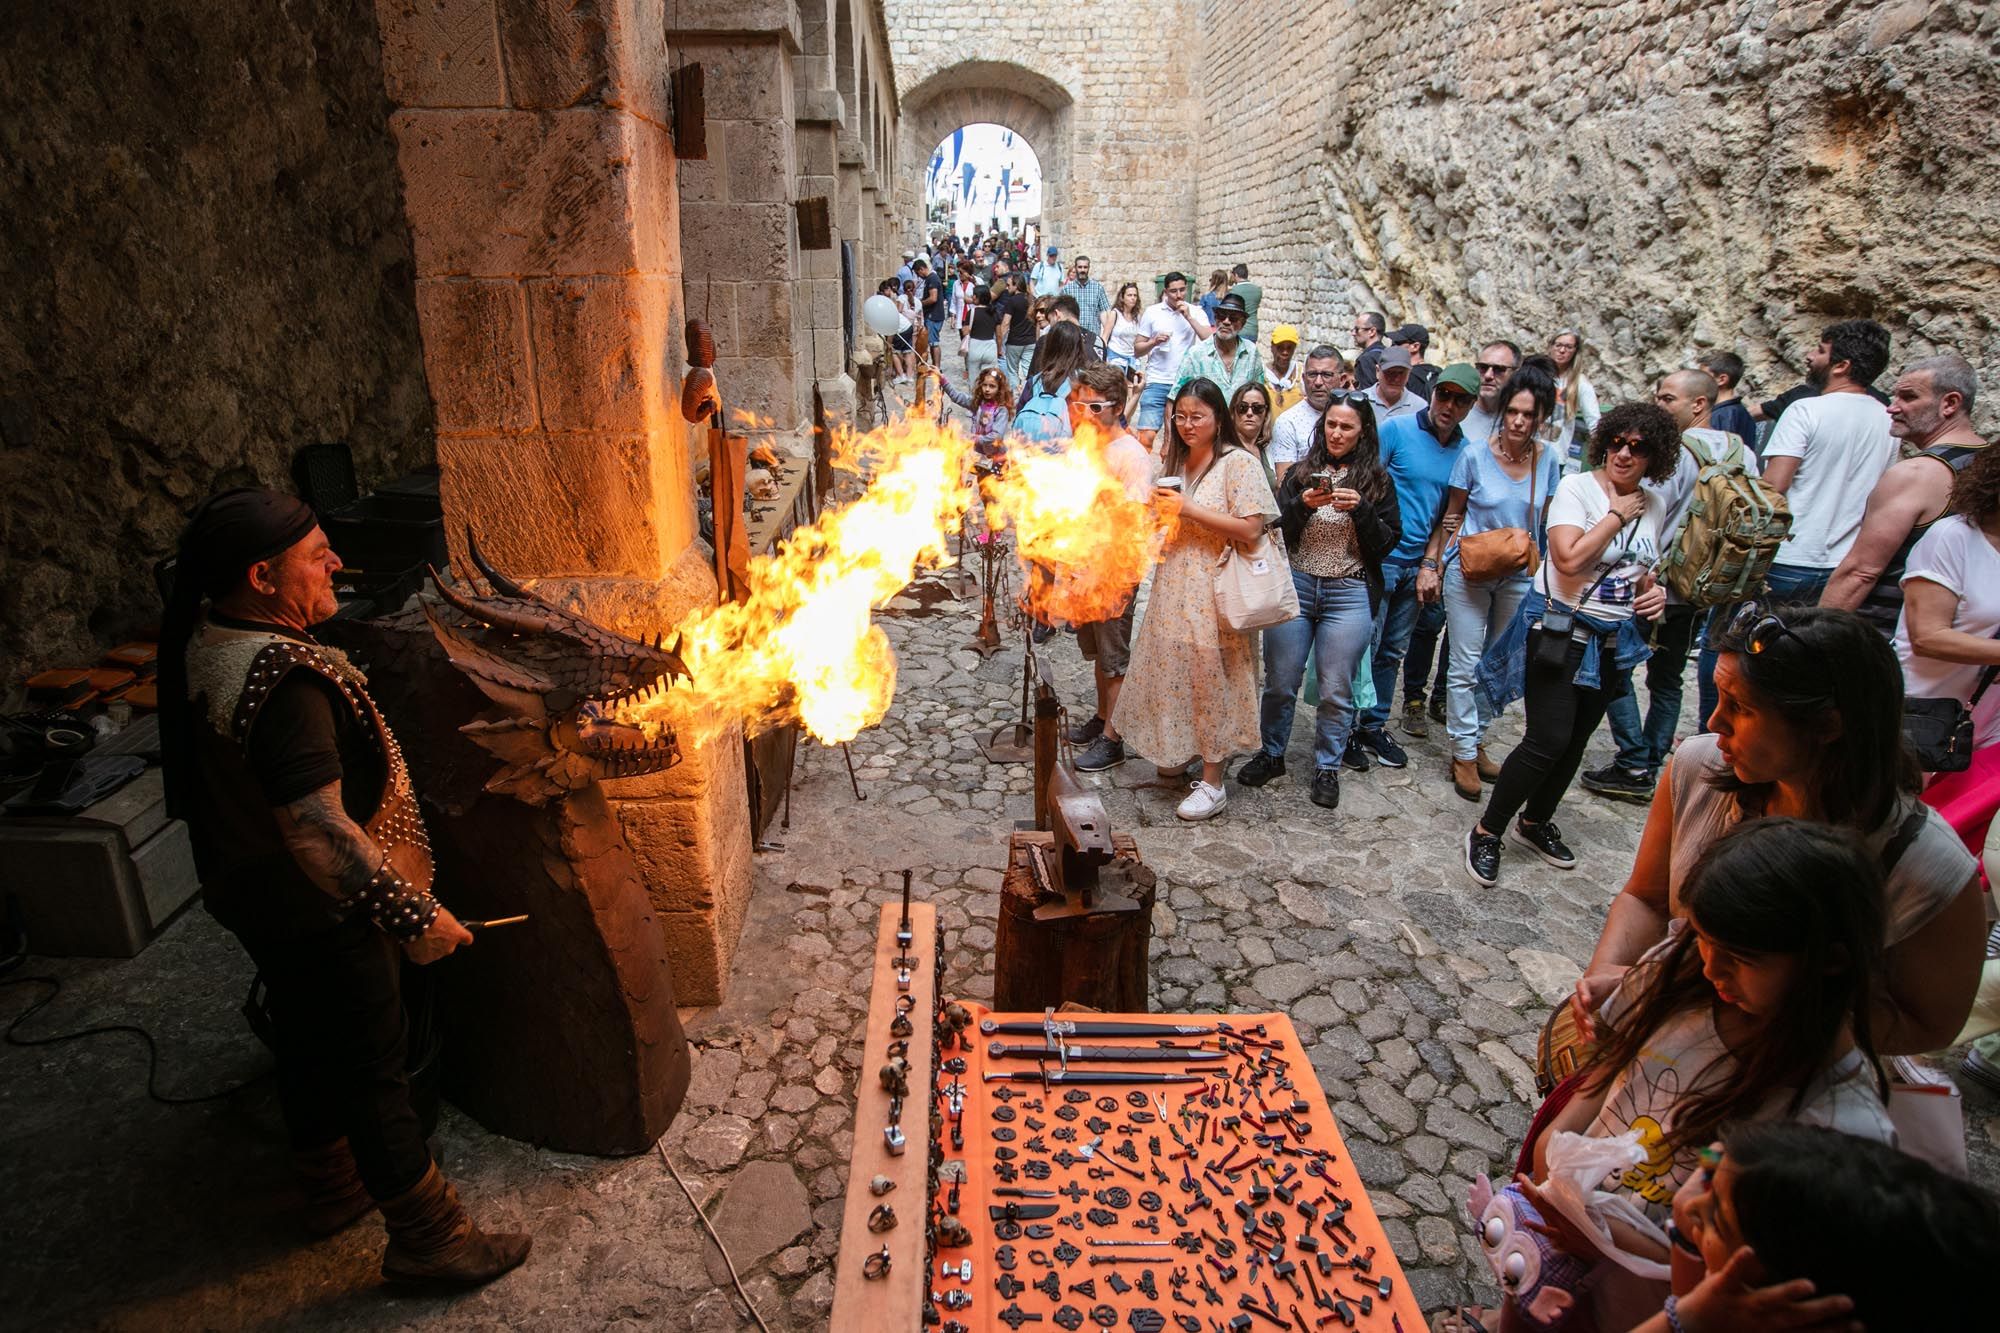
pixel 305 736
pixel 984 323
pixel 1364 365
pixel 1022 331
pixel 932 299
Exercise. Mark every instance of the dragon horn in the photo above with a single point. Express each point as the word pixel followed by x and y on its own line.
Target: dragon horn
pixel 495 617
pixel 503 585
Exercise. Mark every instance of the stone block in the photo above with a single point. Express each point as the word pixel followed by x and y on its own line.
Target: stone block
pixel 577 503
pixel 762 387
pixel 740 242
pixel 764 318
pixel 757 161
pixel 742 79
pixel 639 58
pixel 439 53
pixel 820 106
pixel 556 53
pixel 654 198
pixel 733 17
pixel 600 347
pixel 476 354
pixel 508 193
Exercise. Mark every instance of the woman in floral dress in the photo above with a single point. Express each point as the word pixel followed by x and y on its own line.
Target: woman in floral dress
pixel 1192 687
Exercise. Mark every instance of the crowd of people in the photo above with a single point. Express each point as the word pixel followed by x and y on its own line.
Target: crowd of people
pixel 1807 898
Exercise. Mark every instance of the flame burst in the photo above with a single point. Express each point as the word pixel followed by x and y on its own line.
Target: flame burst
pixel 804 647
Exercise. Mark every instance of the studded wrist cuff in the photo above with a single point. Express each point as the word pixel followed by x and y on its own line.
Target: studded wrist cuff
pixel 397 909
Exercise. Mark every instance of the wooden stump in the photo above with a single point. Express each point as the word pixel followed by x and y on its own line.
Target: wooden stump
pixel 1098 961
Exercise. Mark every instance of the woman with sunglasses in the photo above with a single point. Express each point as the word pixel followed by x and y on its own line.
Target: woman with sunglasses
pixel 1250 409
pixel 1499 483
pixel 1808 723
pixel 1190 692
pixel 1604 538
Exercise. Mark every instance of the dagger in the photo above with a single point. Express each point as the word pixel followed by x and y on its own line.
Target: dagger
pixel 1057 1027
pixel 1095 1077
pixel 1135 1054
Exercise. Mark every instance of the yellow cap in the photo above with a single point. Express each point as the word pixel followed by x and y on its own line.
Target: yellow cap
pixel 1284 333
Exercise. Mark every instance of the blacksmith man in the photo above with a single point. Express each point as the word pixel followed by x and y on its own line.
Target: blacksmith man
pixel 313 853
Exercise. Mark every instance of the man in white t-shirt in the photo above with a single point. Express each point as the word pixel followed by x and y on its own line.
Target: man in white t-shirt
pixel 1166 331
pixel 1095 397
pixel 1826 454
pixel 1325 371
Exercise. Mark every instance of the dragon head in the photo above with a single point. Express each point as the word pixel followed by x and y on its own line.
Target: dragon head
pixel 559 682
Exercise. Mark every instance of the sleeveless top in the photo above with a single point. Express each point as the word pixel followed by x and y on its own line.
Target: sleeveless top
pixel 1123 331
pixel 1883 607
pixel 1931 871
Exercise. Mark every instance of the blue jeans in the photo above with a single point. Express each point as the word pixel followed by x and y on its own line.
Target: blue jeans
pixel 1644 746
pixel 1423 652
pixel 1153 406
pixel 1477 613
pixel 936 332
pixel 1395 621
pixel 1017 355
pixel 1334 625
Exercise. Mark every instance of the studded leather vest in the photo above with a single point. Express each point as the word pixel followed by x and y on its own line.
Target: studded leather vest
pixel 251 881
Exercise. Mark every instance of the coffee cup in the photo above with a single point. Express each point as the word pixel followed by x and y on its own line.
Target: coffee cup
pixel 1169 483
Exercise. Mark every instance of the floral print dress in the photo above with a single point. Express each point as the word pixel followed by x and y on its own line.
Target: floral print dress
pixel 1192 687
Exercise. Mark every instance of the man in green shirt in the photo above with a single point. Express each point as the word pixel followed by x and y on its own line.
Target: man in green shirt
pixel 1253 296
pixel 1226 356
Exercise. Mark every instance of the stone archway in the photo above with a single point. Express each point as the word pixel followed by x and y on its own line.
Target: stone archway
pixel 1034 106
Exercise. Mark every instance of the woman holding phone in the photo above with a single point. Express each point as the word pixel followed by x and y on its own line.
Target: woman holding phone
pixel 1340 518
pixel 1190 692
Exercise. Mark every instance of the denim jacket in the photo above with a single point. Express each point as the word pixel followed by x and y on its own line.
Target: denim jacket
pixel 1503 670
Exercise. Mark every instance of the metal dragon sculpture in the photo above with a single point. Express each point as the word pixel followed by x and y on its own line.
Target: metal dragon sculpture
pixel 558 682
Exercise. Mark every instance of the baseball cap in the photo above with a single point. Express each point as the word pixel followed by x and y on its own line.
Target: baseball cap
pixel 1459 375
pixel 909 254
pixel 1396 358
pixel 1284 333
pixel 1411 333
pixel 1052 249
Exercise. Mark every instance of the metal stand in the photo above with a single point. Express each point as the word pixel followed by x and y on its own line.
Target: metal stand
pixel 1015 743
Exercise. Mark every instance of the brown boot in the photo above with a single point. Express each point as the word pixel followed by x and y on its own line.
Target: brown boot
pixel 335 1199
pixel 1487 768
pixel 1465 778
pixel 432 1243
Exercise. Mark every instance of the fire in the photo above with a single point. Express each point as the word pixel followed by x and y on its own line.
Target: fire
pixel 803 646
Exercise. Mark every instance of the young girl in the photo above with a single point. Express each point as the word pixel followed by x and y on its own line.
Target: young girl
pixel 988 404
pixel 1757 1009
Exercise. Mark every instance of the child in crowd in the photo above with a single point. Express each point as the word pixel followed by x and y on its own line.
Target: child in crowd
pixel 1756 1009
pixel 988 404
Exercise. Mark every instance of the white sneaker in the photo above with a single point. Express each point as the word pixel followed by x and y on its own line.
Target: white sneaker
pixel 1204 802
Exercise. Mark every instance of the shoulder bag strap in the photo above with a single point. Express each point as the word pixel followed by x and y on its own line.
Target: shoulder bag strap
pixel 1906 833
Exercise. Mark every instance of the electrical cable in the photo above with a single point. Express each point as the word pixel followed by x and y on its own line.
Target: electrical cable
pixel 152 1049
pixel 710 1229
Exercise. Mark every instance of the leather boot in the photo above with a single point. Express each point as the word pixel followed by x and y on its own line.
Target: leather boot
pixel 432 1243
pixel 1487 768
pixel 1465 778
pixel 335 1198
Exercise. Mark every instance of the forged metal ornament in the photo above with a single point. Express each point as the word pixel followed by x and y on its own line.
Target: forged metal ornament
pixel 557 680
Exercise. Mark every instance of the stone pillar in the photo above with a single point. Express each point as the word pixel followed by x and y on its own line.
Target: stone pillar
pixel 818 330
pixel 540 186
pixel 739 243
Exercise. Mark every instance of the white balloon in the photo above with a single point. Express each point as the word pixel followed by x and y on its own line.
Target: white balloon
pixel 879 313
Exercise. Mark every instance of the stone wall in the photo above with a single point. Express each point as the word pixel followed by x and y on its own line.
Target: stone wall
pixel 1667 175
pixel 206 267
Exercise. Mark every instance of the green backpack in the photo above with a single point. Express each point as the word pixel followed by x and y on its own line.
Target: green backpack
pixel 1730 534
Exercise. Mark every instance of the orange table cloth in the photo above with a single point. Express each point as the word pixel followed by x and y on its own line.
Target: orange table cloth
pixel 1306 1206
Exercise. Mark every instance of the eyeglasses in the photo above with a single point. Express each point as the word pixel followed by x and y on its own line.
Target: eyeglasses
pixel 1185 421
pixel 1629 444
pixel 1492 368
pixel 1449 397
pixel 1093 405
pixel 1228 317
pixel 1253 410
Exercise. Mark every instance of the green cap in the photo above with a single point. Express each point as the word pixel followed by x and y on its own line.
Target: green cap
pixel 1459 375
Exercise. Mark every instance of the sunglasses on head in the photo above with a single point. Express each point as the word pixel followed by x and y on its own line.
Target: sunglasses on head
pixel 1352 397
pixel 1757 628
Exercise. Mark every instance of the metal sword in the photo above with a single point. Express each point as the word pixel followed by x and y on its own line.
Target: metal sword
pixel 1058 1027
pixel 1090 1076
pixel 1134 1054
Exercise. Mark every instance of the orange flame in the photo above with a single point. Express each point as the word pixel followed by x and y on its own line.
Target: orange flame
pixel 803 645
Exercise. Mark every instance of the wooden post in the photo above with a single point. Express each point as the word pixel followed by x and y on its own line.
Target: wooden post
pixel 1097 960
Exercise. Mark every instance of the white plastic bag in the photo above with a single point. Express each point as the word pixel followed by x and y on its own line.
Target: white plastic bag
pixel 1577 1165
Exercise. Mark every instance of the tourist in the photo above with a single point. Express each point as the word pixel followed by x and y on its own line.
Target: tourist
pixel 1253 296
pixel 1496 484
pixel 1166 331
pixel 981 347
pixel 931 301
pixel 1824 456
pixel 1930 411
pixel 1017 329
pixel 1047 277
pixel 961 301
pixel 1605 533
pixel 1809 724
pixel 1090 298
pixel 1291 433
pixel 987 402
pixel 1096 403
pixel 908 271
pixel 1250 409
pixel 1419 453
pixel 1368 346
pixel 903 343
pixel 1191 688
pixel 1570 427
pixel 1760 1010
pixel 1281 369
pixel 1497 360
pixel 1643 745
pixel 1729 413
pixel 1041 415
pixel 1226 356
pixel 1340 518
pixel 1416 340
pixel 1218 285
pixel 1390 395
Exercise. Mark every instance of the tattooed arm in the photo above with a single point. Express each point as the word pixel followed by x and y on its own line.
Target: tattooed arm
pixel 338 855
